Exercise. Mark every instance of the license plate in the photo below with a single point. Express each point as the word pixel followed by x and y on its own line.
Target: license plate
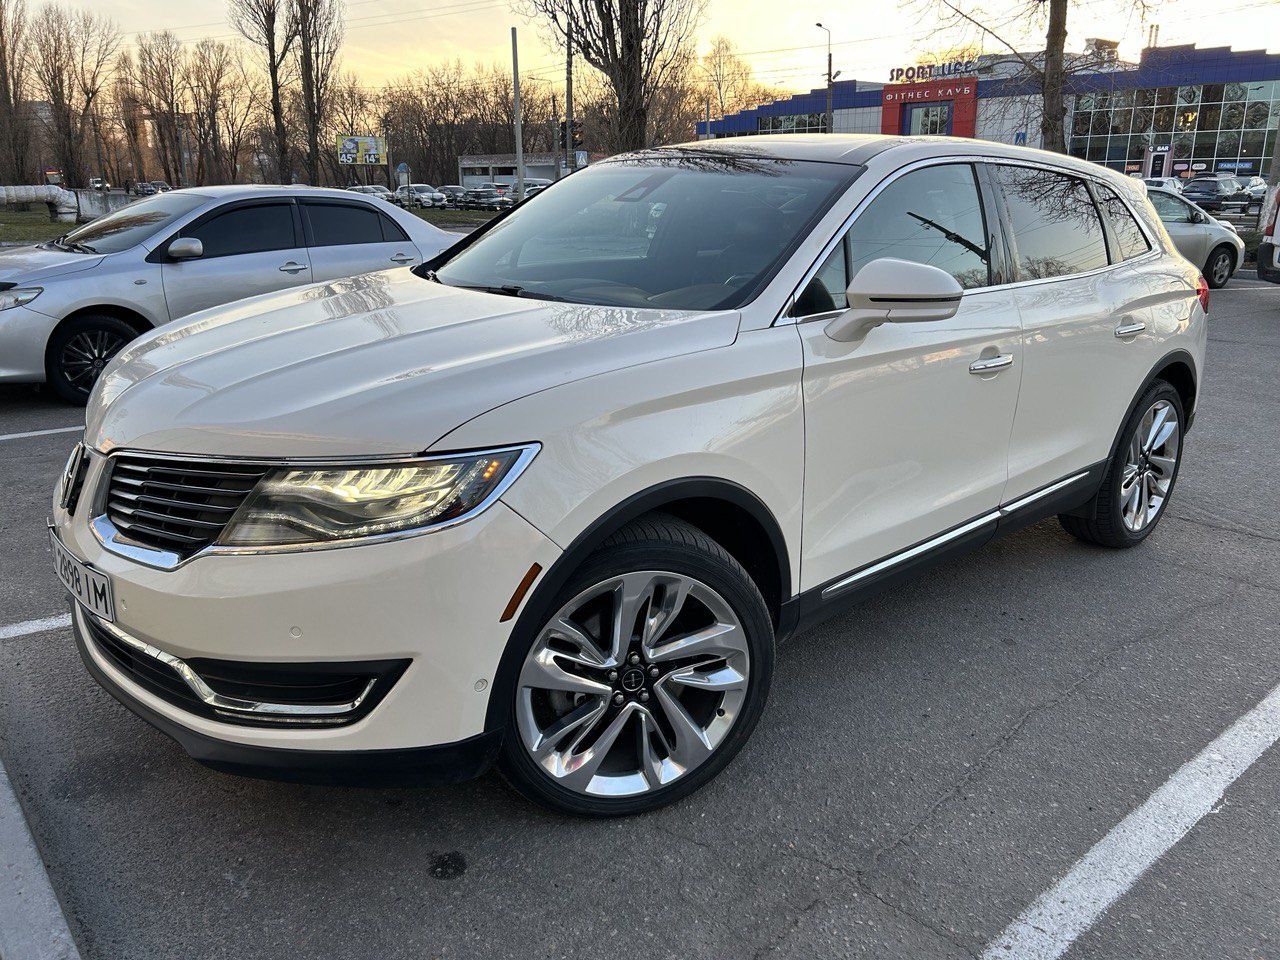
pixel 91 588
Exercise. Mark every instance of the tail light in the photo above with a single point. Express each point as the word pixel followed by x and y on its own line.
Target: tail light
pixel 1202 291
pixel 1270 232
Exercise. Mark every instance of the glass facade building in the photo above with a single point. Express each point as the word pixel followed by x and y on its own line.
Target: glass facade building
pixel 1179 111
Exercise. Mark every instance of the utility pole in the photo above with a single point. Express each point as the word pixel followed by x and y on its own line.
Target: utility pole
pixel 515 76
pixel 569 154
pixel 830 79
pixel 708 118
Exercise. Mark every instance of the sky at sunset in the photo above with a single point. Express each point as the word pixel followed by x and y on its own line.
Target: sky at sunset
pixel 388 38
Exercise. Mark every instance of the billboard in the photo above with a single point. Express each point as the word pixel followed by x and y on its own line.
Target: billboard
pixel 362 150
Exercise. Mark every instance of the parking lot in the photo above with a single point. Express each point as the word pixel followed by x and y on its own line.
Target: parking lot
pixel 928 766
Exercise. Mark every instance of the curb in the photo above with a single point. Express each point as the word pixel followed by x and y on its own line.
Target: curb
pixel 32 926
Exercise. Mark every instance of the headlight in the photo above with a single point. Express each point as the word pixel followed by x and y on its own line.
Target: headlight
pixel 17 296
pixel 323 504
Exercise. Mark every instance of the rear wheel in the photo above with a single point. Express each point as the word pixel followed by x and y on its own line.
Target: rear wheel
pixel 78 352
pixel 1140 477
pixel 1219 267
pixel 646 680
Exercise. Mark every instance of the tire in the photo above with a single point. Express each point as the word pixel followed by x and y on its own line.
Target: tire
pixel 697 588
pixel 1109 519
pixel 79 350
pixel 1219 267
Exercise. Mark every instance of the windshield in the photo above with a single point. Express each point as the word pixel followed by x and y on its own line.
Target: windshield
pixel 686 229
pixel 131 225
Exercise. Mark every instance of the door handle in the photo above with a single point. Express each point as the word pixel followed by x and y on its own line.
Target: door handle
pixel 991 364
pixel 402 258
pixel 292 267
pixel 1130 328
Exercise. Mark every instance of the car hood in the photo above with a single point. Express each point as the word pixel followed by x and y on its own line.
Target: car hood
pixel 34 264
pixel 385 363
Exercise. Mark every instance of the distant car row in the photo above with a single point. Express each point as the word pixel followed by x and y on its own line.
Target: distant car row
pixel 1215 191
pixel 486 196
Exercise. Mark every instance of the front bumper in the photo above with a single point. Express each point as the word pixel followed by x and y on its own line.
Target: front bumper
pixel 433 600
pixel 24 333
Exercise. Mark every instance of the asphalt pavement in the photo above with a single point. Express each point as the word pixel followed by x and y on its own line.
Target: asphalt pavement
pixel 928 766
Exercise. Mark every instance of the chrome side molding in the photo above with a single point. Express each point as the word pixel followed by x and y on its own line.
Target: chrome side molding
pixel 896 559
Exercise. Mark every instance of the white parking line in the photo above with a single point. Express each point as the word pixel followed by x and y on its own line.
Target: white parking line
pixel 40 433
pixel 27 627
pixel 1048 927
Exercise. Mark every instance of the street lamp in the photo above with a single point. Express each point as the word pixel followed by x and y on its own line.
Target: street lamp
pixel 830 78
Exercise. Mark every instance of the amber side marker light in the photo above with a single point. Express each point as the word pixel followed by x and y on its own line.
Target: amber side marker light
pixel 518 597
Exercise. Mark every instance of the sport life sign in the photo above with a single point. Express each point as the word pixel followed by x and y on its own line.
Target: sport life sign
pixel 371 151
pixel 931 71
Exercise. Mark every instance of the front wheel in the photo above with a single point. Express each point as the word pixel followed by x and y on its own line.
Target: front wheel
pixel 80 350
pixel 647 678
pixel 1139 478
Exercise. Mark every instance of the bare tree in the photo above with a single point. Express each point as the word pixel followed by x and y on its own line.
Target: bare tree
pixel 72 58
pixel 1050 69
pixel 320 30
pixel 209 71
pixel 636 44
pixel 15 121
pixel 242 109
pixel 162 90
pixel 272 26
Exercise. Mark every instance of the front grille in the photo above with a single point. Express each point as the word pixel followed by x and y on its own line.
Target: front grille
pixel 176 505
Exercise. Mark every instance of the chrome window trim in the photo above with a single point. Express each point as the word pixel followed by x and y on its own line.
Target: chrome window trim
pixel 110 536
pixel 235 706
pixel 782 318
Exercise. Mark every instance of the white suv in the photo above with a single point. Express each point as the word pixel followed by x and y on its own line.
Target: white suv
pixel 552 497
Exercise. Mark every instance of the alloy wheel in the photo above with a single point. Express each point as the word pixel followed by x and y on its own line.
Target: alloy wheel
pixel 86 354
pixel 1150 465
pixel 1221 269
pixel 634 683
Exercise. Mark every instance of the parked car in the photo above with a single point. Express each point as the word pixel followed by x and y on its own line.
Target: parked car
pixel 161 186
pixel 1164 183
pixel 375 190
pixel 453 194
pixel 1212 245
pixel 68 306
pixel 1217 193
pixel 485 198
pixel 1257 188
pixel 143 188
pixel 588 478
pixel 99 183
pixel 420 195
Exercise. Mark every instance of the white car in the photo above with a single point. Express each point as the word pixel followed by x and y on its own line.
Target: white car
pixel 1173 184
pixel 68 306
pixel 553 497
pixel 1211 244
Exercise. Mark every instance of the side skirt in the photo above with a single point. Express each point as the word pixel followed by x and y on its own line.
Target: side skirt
pixel 1067 495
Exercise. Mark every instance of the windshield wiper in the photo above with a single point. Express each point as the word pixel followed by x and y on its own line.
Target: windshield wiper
pixel 951 235
pixel 63 243
pixel 514 290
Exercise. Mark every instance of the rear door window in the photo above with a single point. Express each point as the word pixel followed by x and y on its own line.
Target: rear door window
pixel 1129 236
pixel 338 224
pixel 1056 228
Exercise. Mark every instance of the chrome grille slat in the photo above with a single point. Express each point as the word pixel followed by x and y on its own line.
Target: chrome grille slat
pixel 163 504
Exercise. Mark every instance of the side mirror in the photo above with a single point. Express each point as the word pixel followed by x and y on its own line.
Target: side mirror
pixel 895 291
pixel 185 248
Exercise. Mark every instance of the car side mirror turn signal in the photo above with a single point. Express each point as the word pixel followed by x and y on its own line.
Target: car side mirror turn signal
pixel 895 291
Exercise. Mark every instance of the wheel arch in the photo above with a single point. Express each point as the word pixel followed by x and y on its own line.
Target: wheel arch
pixel 132 317
pixel 1178 369
pixel 727 512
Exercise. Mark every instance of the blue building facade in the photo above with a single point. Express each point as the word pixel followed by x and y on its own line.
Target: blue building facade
pixel 1179 111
